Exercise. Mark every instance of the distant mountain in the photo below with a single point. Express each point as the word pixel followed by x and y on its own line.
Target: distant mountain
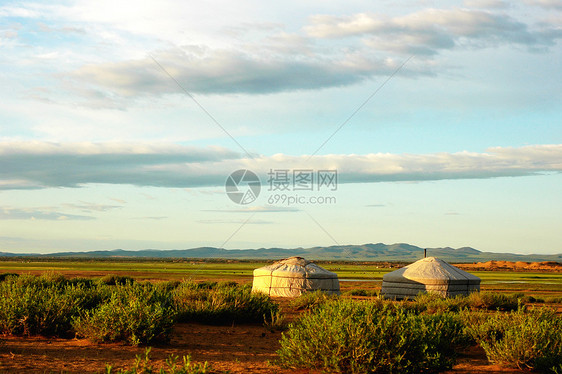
pixel 366 252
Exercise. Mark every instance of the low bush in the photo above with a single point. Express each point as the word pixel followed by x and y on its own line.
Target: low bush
pixel 276 321
pixel 364 337
pixel 432 303
pixel 494 301
pixel 31 305
pixel 112 280
pixel 144 366
pixel 525 339
pixel 134 313
pixel 221 305
pixel 360 292
pixel 3 276
pixel 310 300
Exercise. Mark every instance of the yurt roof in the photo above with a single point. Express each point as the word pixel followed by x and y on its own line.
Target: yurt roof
pixel 295 267
pixel 430 270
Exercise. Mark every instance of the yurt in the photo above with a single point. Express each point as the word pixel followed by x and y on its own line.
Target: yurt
pixel 294 276
pixel 429 274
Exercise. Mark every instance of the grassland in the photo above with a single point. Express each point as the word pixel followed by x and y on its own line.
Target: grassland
pixel 353 275
pixel 185 308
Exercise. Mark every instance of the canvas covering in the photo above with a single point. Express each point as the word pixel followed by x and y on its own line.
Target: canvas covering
pixel 294 276
pixel 429 275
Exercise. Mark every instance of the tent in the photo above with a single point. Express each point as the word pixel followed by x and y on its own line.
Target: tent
pixel 294 276
pixel 428 275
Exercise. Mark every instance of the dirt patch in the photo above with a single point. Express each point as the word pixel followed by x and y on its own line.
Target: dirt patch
pixel 474 361
pixel 234 349
pixel 550 266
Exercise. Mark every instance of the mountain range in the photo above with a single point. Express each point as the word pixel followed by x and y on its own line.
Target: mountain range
pixel 366 252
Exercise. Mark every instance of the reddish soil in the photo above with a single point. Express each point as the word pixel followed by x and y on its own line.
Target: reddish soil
pixel 236 349
pixel 550 266
pixel 228 349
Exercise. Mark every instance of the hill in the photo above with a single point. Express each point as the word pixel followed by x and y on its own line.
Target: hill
pixel 365 252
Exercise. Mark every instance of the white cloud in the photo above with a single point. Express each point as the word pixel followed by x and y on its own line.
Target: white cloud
pixel 486 4
pixel 430 30
pixel 42 213
pixel 43 165
pixel 547 4
pixel 204 70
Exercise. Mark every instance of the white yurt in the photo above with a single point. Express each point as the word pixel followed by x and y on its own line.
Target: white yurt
pixel 429 274
pixel 294 276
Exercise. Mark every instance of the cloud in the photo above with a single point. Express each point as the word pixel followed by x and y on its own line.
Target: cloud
pixel 256 209
pixel 25 165
pixel 486 4
pixel 87 207
pixel 43 27
pixel 547 4
pixel 9 213
pixel 429 31
pixel 238 222
pixel 36 164
pixel 205 70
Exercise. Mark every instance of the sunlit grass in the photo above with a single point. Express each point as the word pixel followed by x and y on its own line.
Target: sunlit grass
pixel 366 275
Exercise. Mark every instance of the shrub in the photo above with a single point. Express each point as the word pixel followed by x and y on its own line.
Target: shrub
pixel 143 366
pixel 363 337
pixel 310 300
pixel 523 339
pixel 493 301
pixel 32 305
pixel 112 280
pixel 434 303
pixel 360 292
pixel 134 314
pixel 275 321
pixel 3 276
pixel 221 305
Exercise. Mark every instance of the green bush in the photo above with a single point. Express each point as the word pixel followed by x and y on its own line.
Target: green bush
pixel 525 339
pixel 493 301
pixel 134 313
pixel 221 305
pixel 3 276
pixel 361 292
pixel 365 337
pixel 143 366
pixel 310 300
pixel 31 305
pixel 112 280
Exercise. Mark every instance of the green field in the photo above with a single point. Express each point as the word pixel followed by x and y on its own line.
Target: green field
pixel 366 276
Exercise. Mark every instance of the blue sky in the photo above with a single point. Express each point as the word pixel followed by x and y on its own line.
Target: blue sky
pixel 100 148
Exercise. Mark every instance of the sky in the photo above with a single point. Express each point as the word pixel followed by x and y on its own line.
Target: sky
pixel 179 124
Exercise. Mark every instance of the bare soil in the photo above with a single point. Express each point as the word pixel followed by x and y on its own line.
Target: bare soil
pixel 549 266
pixel 228 349
pixel 236 349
